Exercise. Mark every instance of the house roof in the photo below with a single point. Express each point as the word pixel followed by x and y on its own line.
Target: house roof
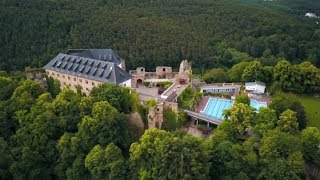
pixel 255 83
pixel 89 68
pixel 101 54
pixel 171 97
pixel 204 87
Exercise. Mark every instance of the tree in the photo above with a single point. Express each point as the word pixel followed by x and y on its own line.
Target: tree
pixel 106 163
pixel 265 120
pixel 218 155
pixel 53 86
pixel 172 120
pixel 283 101
pixel 34 154
pixel 310 143
pixel 235 73
pixel 7 87
pixel 118 97
pixel 86 105
pixel 309 77
pixel 160 154
pixel 243 98
pixel 281 156
pixel 244 160
pixel 105 125
pixel 286 75
pixel 216 76
pixel 32 87
pixel 66 107
pixel 108 92
pixel 240 116
pixel 5 159
pixel 301 115
pixel 267 72
pixel 23 97
pixel 253 72
pixel 288 122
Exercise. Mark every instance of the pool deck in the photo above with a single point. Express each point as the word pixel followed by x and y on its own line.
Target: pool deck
pixel 203 117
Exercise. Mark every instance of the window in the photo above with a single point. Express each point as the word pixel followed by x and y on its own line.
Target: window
pixel 87 82
pixel 63 76
pixel 158 109
pixel 164 69
pixel 58 75
pixel 74 79
pixel 80 80
pixel 64 83
pixel 69 77
pixel 92 83
pixel 87 89
pixel 52 73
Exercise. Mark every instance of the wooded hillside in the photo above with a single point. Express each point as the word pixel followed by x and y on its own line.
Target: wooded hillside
pixel 151 33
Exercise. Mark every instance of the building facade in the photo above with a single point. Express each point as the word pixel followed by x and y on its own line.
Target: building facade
pixel 86 69
pixel 256 87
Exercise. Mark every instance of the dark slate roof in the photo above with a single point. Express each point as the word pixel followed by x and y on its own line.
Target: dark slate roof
pixel 171 97
pixel 94 69
pixel 100 54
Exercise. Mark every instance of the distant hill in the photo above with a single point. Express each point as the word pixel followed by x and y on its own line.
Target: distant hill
pixel 293 6
pixel 158 32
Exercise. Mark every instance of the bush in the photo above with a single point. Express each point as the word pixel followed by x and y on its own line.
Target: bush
pixel 146 83
pixel 165 84
pixel 226 96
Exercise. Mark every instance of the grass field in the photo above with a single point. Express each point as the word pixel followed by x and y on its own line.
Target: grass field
pixel 312 108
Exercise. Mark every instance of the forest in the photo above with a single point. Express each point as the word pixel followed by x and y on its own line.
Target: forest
pixel 62 134
pixel 159 32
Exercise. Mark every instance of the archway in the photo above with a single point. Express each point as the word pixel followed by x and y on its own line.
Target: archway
pixel 139 82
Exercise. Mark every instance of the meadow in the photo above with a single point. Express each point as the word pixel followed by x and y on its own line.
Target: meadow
pixel 312 108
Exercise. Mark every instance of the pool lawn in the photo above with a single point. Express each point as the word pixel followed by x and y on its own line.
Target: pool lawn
pixel 312 109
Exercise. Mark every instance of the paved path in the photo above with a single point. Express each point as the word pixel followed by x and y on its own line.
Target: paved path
pixel 177 88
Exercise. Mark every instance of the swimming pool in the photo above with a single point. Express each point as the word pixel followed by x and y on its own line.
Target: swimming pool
pixel 215 107
pixel 257 105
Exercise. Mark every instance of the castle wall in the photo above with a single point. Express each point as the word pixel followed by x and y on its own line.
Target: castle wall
pixel 72 81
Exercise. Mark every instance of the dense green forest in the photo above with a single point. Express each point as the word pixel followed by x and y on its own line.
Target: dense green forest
pixel 158 32
pixel 61 134
pixel 66 135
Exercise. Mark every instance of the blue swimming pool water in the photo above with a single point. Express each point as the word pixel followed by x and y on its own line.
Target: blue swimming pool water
pixel 216 106
pixel 257 105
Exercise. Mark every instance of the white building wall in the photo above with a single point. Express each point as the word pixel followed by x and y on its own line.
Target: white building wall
pixel 251 88
pixel 127 83
pixel 257 88
pixel 260 89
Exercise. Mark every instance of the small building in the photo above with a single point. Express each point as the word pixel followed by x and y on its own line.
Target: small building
pixel 218 89
pixel 87 69
pixel 229 88
pixel 311 15
pixel 256 87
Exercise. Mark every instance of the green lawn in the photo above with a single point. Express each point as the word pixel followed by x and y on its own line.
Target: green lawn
pixel 312 108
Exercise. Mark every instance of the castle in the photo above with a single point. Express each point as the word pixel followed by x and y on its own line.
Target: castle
pixel 87 68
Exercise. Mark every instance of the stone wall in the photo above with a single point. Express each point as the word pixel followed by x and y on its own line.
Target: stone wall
pixel 72 81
